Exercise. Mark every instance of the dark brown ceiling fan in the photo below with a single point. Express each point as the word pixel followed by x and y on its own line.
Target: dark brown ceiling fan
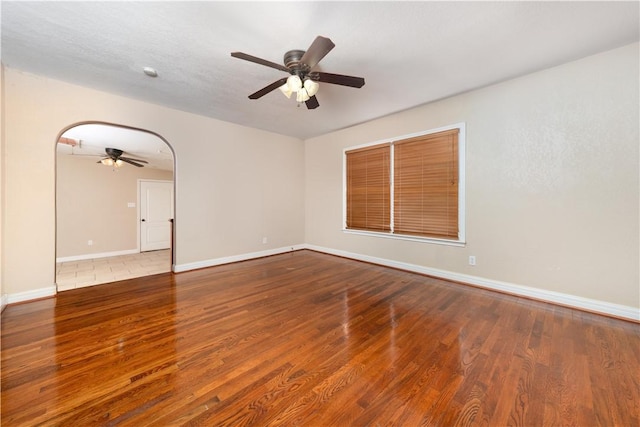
pixel 303 80
pixel 114 158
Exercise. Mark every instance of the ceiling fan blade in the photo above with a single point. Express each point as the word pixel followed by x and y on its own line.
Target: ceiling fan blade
pixel 318 49
pixel 124 159
pixel 135 160
pixel 338 79
pixel 312 103
pixel 265 90
pixel 68 141
pixel 260 61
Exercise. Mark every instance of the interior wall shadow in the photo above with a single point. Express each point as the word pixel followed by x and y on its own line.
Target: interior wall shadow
pixel 100 170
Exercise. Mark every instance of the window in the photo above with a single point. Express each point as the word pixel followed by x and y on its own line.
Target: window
pixel 408 188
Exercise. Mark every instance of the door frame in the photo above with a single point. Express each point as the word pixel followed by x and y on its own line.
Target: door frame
pixel 139 216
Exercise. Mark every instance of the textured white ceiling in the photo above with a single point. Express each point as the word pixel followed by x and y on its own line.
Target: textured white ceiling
pixel 409 53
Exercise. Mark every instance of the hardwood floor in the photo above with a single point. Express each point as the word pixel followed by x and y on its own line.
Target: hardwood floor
pixel 314 340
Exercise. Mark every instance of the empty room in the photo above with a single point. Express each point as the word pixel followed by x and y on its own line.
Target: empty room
pixel 320 213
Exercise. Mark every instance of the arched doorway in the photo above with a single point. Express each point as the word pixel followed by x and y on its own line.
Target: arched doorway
pixel 101 172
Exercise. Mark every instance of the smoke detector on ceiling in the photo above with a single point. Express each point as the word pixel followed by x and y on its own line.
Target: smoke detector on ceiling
pixel 150 71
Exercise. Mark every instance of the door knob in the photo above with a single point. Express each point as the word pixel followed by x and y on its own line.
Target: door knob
pixel 143 220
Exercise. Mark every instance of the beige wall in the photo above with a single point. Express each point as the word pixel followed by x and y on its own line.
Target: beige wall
pixel 91 204
pixel 551 181
pixel 234 185
pixel 3 293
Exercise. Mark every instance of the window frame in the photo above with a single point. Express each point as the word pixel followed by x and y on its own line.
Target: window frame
pixel 461 240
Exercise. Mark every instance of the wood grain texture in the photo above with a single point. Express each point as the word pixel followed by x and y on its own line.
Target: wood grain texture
pixel 314 340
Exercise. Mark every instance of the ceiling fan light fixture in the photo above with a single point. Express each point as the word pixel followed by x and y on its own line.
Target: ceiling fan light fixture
pixel 294 83
pixel 118 163
pixel 107 162
pixel 285 90
pixel 311 87
pixel 302 95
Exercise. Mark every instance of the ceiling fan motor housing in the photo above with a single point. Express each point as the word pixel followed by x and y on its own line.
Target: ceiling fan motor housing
pixel 292 62
pixel 114 153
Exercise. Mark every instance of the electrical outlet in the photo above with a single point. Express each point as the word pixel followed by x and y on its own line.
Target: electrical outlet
pixel 472 260
pixel 264 240
pixel 89 242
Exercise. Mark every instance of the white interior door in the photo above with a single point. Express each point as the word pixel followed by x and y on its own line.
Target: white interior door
pixel 156 213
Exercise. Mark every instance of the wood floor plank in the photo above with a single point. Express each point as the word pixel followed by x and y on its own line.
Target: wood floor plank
pixel 311 339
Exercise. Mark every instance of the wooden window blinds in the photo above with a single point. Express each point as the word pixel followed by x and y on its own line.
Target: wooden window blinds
pixel 425 186
pixel 368 188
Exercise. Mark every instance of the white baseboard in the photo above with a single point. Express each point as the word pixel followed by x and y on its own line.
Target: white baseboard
pixel 568 300
pixel 30 295
pixel 98 255
pixel 179 268
pixel 3 301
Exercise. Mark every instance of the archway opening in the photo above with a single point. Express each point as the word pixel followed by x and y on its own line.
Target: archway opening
pixel 115 204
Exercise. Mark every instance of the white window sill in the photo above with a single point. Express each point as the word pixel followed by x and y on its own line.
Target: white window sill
pixel 446 242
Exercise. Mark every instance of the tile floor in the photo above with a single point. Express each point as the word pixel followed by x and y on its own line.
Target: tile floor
pixel 78 274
